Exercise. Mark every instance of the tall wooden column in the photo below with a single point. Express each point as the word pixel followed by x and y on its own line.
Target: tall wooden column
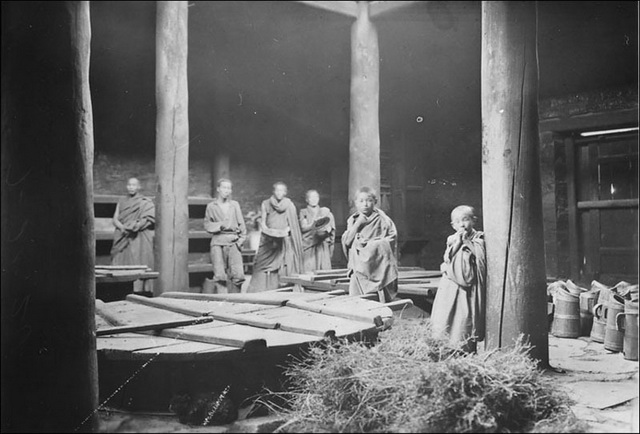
pixel 221 167
pixel 172 148
pixel 49 364
pixel 512 204
pixel 364 139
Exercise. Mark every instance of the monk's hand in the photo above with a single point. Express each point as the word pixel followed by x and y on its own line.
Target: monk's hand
pixel 361 220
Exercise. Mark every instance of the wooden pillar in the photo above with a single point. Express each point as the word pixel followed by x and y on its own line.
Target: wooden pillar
pixel 512 204
pixel 221 168
pixel 49 364
pixel 172 148
pixel 364 139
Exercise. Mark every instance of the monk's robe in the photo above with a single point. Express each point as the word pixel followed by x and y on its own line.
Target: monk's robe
pixel 277 256
pixel 317 241
pixel 134 246
pixel 226 244
pixel 459 306
pixel 373 264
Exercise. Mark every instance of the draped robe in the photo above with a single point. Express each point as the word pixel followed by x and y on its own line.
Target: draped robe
pixel 459 306
pixel 317 242
pixel 134 247
pixel 277 256
pixel 373 265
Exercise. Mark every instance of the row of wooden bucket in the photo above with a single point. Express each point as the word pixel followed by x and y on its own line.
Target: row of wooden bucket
pixel 607 315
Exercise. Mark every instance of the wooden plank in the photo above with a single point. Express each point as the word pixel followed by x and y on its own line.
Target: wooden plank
pixel 317 285
pixel 133 342
pixel 594 214
pixel 124 313
pixel 241 336
pixel 587 121
pixel 166 304
pixel 399 304
pixel 608 204
pixel 425 291
pixel 122 267
pixel 574 256
pixel 268 298
pixel 150 327
pixel 343 312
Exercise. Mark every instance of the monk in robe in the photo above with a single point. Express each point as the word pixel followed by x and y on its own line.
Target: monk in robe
pixel 280 250
pixel 458 308
pixel 370 243
pixel 134 220
pixel 318 229
pixel 224 221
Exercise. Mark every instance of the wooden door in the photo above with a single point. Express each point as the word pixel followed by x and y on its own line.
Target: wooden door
pixel 604 207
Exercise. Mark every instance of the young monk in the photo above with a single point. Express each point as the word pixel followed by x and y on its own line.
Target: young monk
pixel 280 250
pixel 224 221
pixel 134 220
pixel 370 244
pixel 458 308
pixel 318 229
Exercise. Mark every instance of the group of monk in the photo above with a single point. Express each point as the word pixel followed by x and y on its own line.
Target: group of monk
pixel 294 243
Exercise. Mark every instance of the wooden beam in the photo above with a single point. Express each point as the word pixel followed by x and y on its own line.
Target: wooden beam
pixel 347 8
pixel 49 362
pixel 172 148
pixel 512 202
pixel 364 137
pixel 382 7
pixel 572 209
pixel 608 204
pixel 617 118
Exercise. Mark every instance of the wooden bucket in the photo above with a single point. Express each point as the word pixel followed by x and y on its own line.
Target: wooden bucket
pixel 613 338
pixel 627 322
pixel 587 302
pixel 566 318
pixel 599 310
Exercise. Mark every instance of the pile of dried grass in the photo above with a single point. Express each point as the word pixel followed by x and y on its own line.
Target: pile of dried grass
pixel 411 382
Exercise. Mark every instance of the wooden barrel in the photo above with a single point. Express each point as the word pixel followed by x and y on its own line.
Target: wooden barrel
pixel 627 322
pixel 566 318
pixel 599 310
pixel 587 302
pixel 613 338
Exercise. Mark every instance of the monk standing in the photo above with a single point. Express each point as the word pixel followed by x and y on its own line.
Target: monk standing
pixel 280 250
pixel 223 219
pixel 370 244
pixel 318 229
pixel 458 309
pixel 134 220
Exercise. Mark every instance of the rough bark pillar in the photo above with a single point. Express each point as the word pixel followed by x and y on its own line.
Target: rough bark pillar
pixel 221 168
pixel 49 364
pixel 512 204
pixel 172 148
pixel 364 139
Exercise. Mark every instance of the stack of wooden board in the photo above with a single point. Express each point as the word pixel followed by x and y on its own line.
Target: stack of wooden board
pixel 117 273
pixel 412 281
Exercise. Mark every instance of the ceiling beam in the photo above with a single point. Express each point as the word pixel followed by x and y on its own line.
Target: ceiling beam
pixel 348 8
pixel 377 8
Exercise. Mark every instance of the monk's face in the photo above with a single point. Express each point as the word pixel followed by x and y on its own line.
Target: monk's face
pixel 313 198
pixel 365 203
pixel 133 186
pixel 463 223
pixel 280 191
pixel 224 190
